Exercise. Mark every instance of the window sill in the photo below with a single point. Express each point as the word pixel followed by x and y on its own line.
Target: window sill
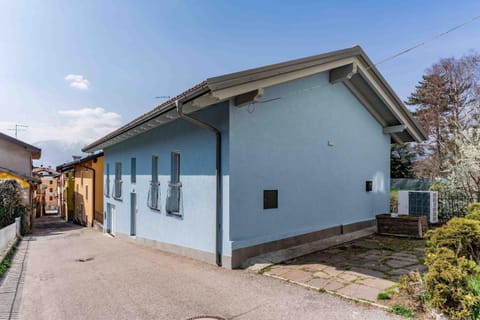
pixel 155 209
pixel 176 214
pixel 118 199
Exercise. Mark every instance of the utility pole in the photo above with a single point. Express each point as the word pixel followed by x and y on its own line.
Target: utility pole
pixel 18 127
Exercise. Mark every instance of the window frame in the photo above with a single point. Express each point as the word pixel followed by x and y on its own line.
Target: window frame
pixel 174 186
pixel 133 170
pixel 117 186
pixel 154 188
pixel 107 182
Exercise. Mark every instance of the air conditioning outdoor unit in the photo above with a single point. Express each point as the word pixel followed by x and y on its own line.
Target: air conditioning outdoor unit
pixel 419 203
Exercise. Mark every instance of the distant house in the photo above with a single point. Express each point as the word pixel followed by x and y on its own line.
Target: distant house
pixel 258 160
pixel 81 183
pixel 16 163
pixel 47 193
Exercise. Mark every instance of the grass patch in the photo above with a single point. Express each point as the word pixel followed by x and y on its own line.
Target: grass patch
pixel 7 260
pixel 383 296
pixel 403 311
pixel 321 290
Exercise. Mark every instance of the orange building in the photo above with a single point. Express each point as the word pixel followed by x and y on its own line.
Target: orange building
pixel 87 206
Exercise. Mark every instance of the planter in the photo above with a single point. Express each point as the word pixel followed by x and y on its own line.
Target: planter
pixel 402 225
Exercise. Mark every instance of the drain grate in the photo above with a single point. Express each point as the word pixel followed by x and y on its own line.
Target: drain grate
pixel 85 260
pixel 206 318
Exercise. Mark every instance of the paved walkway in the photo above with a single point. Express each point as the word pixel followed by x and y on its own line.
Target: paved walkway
pixel 359 269
pixel 78 273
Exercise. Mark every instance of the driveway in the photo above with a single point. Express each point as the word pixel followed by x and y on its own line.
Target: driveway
pixel 77 273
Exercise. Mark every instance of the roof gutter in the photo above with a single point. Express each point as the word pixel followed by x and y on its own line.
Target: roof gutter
pixel 218 220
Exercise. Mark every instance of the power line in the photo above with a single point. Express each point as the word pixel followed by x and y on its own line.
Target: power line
pixel 394 56
pixel 428 40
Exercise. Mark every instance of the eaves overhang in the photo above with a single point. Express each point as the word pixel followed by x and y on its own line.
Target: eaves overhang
pixel 34 151
pixel 71 165
pixel 364 81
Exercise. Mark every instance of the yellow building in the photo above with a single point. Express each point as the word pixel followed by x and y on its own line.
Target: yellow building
pixel 87 173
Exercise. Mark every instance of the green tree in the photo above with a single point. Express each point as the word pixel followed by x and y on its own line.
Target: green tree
pixel 446 104
pixel 10 202
pixel 402 157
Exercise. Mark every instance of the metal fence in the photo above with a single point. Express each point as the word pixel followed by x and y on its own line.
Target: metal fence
pixel 451 206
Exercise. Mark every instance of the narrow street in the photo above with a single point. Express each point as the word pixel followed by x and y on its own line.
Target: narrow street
pixel 72 272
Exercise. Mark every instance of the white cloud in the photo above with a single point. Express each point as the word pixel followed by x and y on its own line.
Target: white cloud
pixel 77 81
pixel 65 133
pixel 69 126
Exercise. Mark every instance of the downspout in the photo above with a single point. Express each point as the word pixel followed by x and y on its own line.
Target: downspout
pixel 218 226
pixel 93 191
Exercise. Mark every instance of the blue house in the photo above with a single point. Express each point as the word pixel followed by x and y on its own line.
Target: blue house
pixel 258 160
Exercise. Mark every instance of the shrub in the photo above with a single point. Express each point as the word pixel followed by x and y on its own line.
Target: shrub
pixel 460 235
pixel 473 211
pixel 474 215
pixel 453 278
pixel 447 283
pixel 412 284
pixel 473 207
pixel 10 202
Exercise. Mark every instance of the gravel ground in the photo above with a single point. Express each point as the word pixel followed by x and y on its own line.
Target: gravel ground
pixel 77 273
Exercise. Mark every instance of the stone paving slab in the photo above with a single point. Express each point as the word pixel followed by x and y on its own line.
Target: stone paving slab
pixel 360 291
pixel 359 269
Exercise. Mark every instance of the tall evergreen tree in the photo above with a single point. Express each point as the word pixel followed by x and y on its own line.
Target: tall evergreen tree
pixel 401 161
pixel 446 103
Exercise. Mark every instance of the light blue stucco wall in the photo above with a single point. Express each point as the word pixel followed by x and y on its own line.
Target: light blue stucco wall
pixel 196 228
pixel 283 144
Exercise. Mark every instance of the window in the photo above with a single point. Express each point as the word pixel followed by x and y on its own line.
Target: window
pixel 117 189
pixel 133 171
pixel 174 186
pixel 51 182
pixel 86 192
pixel 153 193
pixel 81 178
pixel 270 199
pixel 51 198
pixel 107 180
pixel 51 189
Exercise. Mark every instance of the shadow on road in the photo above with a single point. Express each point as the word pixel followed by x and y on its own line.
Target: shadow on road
pixel 52 225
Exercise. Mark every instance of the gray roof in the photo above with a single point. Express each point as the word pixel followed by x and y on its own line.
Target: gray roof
pixel 70 165
pixel 366 83
pixel 36 152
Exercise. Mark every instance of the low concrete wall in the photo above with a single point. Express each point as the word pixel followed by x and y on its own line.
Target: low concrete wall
pixel 9 233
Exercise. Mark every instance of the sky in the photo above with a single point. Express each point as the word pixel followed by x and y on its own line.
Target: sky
pixel 73 71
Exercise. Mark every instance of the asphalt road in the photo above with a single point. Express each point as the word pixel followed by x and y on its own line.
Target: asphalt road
pixel 77 273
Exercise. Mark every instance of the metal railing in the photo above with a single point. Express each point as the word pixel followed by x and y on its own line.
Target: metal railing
pixel 452 206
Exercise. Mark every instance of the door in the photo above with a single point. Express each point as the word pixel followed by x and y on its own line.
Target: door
pixel 108 223
pixel 133 214
pixel 110 219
